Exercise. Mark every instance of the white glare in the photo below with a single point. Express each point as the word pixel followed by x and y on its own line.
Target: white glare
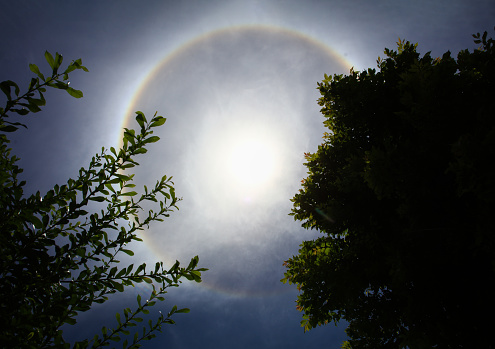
pixel 251 162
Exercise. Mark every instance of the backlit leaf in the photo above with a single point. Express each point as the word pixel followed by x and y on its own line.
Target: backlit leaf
pixel 74 93
pixel 152 139
pixel 49 59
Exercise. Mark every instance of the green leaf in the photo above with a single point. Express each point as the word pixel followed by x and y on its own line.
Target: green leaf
pixel 130 193
pixel 5 87
pixel 60 85
pixel 34 68
pixel 183 310
pixel 140 268
pixel 196 275
pixel 36 222
pixel 57 62
pixel 140 118
pixel 141 151
pixel 49 59
pixel 70 321
pixel 70 69
pixel 31 105
pixel 109 187
pixel 129 252
pixel 120 273
pixel 158 121
pixel 22 111
pixel 74 93
pixel 38 101
pixel 8 128
pixel 118 286
pixel 151 139
pixel 194 261
pixel 97 198
pixel 78 64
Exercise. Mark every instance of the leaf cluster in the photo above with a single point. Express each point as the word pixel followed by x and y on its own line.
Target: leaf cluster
pixel 58 258
pixel 33 99
pixel 402 190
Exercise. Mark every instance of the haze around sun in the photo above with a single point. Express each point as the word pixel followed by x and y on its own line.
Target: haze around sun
pixel 241 106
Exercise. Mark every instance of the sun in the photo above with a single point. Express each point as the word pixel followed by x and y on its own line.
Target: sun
pixel 251 162
pixel 238 163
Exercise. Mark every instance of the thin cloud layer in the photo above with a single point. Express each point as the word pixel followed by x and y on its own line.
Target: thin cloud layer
pixel 209 87
pixel 236 86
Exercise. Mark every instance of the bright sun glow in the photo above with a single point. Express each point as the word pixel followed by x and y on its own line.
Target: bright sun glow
pixel 238 164
pixel 251 162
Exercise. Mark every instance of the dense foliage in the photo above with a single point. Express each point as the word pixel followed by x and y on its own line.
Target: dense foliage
pixel 56 258
pixel 403 190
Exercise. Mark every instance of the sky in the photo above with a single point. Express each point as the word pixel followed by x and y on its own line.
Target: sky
pixel 237 82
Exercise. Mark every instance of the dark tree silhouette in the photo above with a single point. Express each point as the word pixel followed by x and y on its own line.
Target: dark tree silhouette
pixel 56 258
pixel 402 190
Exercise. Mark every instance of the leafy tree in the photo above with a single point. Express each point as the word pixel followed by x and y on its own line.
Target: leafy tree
pixel 402 190
pixel 56 258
